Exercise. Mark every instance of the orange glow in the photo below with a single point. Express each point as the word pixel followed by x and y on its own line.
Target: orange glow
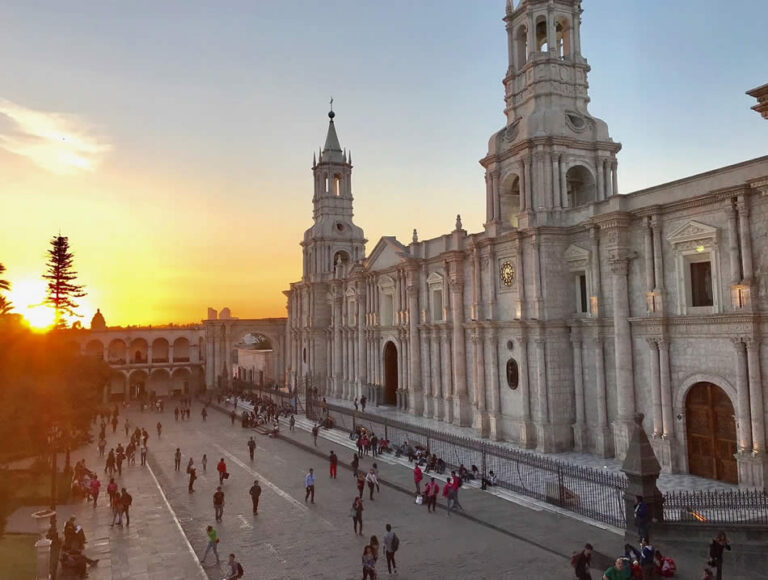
pixel 27 298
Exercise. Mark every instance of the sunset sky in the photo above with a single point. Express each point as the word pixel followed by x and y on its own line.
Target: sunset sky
pixel 172 140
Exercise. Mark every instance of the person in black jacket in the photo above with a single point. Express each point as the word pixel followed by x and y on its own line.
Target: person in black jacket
pixel 716 548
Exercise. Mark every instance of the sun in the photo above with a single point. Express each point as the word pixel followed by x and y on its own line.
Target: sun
pixel 27 297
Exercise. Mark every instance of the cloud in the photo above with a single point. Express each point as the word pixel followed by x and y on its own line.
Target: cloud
pixel 56 142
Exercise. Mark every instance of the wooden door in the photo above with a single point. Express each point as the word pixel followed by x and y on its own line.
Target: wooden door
pixel 711 431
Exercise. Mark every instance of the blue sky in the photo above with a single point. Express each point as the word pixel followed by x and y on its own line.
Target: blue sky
pixel 198 120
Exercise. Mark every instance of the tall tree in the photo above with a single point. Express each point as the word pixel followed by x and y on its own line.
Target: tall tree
pixel 62 289
pixel 5 285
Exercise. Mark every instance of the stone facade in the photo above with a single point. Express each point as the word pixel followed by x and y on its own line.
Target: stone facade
pixel 575 307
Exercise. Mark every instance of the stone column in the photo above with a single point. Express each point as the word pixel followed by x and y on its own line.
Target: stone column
pixel 523 198
pixel 547 182
pixel 488 199
pixel 434 358
pixel 519 279
pixel 600 185
pixel 415 399
pixel 742 386
pixel 745 238
pixel 337 376
pixel 496 194
pixel 608 180
pixel 666 390
pixel 650 273
pixel 544 437
pixel 756 396
pixel 556 181
pixel 614 178
pixel 481 416
pixel 362 354
pixel 528 189
pixel 594 243
pixel 658 422
pixel 461 411
pixel 733 246
pixel 494 417
pixel 563 184
pixel 658 262
pixel 527 430
pixel 625 386
pixel 579 428
pixel 603 439
pixel 447 383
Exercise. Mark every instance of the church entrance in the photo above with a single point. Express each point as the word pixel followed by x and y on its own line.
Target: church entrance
pixel 711 433
pixel 390 374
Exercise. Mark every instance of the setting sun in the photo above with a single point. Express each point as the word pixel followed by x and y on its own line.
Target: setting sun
pixel 27 297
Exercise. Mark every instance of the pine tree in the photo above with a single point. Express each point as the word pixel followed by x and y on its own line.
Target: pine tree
pixel 62 290
pixel 5 285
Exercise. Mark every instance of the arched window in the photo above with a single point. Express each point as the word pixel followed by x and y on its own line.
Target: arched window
pixel 541 34
pixel 513 374
pixel 510 199
pixel 580 186
pixel 337 185
pixel 563 35
pixel 521 44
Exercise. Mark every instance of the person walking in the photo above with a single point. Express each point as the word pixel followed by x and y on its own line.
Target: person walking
pixel 102 446
pixel 363 401
pixel 581 562
pixel 315 432
pixel 309 484
pixel 95 488
pixel 109 466
pixel 360 483
pixel 221 467
pixel 218 504
pixel 372 482
pixel 255 492
pixel 418 475
pixel 204 461
pixel 177 459
pixel 292 423
pixel 357 515
pixel 192 477
pixel 126 499
pixel 391 544
pixel 369 563
pixel 190 464
pixel 355 464
pixel 235 568
pixel 204 413
pixel 143 454
pixel 615 572
pixel 112 491
pixel 716 549
pixel 431 490
pixel 159 429
pixel 334 461
pixel 251 447
pixel 213 541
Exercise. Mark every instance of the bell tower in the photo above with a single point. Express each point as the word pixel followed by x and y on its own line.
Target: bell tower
pixel 334 242
pixel 552 155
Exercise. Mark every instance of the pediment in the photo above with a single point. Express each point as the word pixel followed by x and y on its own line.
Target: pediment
pixel 434 279
pixel 576 254
pixel 350 293
pixel 387 253
pixel 385 282
pixel 692 230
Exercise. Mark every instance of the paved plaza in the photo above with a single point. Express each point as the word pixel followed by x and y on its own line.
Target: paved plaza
pixel 493 538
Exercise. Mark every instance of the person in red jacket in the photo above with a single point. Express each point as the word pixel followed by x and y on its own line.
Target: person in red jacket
pixel 432 489
pixel 222 469
pixel 418 475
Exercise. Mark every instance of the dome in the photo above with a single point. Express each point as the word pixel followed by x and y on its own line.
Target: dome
pixel 97 322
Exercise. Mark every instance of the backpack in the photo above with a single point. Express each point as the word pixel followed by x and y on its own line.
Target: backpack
pixel 240 570
pixel 395 543
pixel 575 559
pixel 459 482
pixel 128 499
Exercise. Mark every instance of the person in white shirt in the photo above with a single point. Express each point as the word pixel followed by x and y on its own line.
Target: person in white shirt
pixel 372 481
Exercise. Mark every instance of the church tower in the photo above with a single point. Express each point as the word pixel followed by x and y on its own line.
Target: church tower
pixel 552 155
pixel 334 242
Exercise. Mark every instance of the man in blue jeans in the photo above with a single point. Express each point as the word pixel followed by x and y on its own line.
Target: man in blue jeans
pixel 309 484
pixel 213 540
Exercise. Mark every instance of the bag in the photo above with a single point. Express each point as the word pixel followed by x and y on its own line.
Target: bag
pixel 575 559
pixel 226 475
pixel 352 512
pixel 395 544
pixel 419 499
pixel 240 571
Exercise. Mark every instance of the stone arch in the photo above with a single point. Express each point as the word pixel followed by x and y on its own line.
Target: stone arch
pixel 541 34
pixel 580 185
pixel 159 382
pixel 181 349
pixel 563 35
pixel 521 45
pixel 137 384
pixel 116 352
pixel 510 199
pixel 390 366
pixel 117 386
pixel 181 382
pixel 160 350
pixel 138 350
pixel 94 348
pixel 690 380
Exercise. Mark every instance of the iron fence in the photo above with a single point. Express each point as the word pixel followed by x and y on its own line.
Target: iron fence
pixel 722 506
pixel 593 493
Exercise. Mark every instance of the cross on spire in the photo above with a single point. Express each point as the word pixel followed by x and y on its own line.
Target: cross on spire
pixel 331 103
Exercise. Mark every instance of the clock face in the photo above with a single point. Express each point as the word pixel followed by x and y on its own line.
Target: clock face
pixel 507 273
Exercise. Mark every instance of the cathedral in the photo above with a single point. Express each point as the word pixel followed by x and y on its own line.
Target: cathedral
pixel 573 309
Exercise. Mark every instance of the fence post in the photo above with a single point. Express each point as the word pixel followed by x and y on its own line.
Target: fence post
pixel 560 486
pixel 428 446
pixel 482 466
pixel 386 431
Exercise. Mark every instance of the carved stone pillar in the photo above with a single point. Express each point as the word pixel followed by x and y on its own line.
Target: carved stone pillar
pixel 414 363
pixel 480 418
pixel 426 373
pixel 746 239
pixel 658 422
pixel 658 264
pixel 757 411
pixel 544 436
pixel 744 422
pixel 461 410
pixel 666 390
pixel 494 417
pixel 447 401
pixel 603 437
pixel 579 427
pixel 625 386
pixel 337 370
pixel 437 391
pixel 527 429
pixel 733 246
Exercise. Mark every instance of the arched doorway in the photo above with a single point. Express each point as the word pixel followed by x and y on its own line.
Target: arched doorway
pixel 390 374
pixel 711 433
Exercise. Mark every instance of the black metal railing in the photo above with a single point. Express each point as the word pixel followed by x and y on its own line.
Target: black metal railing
pixel 720 506
pixel 593 493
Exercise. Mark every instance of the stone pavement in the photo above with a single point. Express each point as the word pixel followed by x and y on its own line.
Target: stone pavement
pixel 666 482
pixel 152 547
